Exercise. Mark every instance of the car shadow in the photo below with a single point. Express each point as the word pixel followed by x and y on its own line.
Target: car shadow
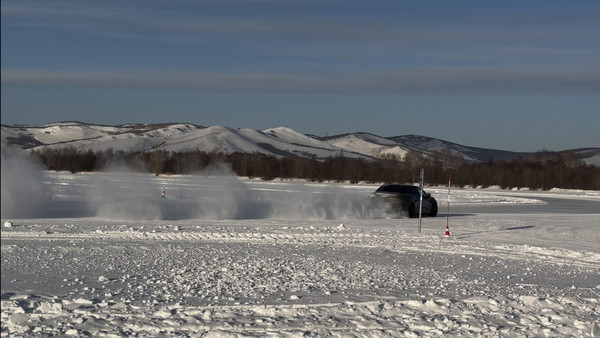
pixel 521 227
pixel 469 234
pixel 456 215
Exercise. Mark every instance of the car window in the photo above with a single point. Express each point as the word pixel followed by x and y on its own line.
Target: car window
pixel 414 190
pixel 400 189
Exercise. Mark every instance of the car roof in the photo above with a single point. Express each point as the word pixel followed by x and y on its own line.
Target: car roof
pixel 401 188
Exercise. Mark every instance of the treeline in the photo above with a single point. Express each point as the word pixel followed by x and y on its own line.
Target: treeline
pixel 541 172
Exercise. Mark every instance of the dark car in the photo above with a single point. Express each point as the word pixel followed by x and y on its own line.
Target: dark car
pixel 400 198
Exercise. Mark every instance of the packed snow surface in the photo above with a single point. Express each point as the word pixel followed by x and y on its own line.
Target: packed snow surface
pixel 105 255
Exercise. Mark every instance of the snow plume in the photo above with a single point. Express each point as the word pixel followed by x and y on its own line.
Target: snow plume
pixel 221 195
pixel 318 201
pixel 125 193
pixel 120 165
pixel 215 193
pixel 24 194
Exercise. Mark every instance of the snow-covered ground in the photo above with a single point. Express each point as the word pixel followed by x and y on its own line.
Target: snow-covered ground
pixel 105 255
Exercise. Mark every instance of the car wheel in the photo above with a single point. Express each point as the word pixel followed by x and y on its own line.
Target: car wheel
pixel 412 212
pixel 434 210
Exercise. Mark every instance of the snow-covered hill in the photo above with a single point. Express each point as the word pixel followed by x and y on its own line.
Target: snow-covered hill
pixel 280 142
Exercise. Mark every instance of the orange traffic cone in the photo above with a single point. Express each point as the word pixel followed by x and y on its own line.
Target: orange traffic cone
pixel 447 231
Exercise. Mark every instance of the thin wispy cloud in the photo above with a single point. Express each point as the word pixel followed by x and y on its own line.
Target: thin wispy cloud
pixel 100 16
pixel 413 80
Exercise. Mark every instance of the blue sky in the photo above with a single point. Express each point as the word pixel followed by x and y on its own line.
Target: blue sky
pixel 513 75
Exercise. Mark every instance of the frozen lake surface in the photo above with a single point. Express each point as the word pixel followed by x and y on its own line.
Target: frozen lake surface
pixel 104 254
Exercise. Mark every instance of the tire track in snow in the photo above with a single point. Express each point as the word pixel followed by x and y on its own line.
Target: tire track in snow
pixel 586 259
pixel 185 236
pixel 396 243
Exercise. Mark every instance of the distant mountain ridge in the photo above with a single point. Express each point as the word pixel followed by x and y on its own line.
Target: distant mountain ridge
pixel 279 142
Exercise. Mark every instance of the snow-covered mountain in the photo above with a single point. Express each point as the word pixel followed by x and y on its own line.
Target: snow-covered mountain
pixel 280 142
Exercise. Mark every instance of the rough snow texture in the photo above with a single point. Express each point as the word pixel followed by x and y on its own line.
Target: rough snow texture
pixel 285 258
